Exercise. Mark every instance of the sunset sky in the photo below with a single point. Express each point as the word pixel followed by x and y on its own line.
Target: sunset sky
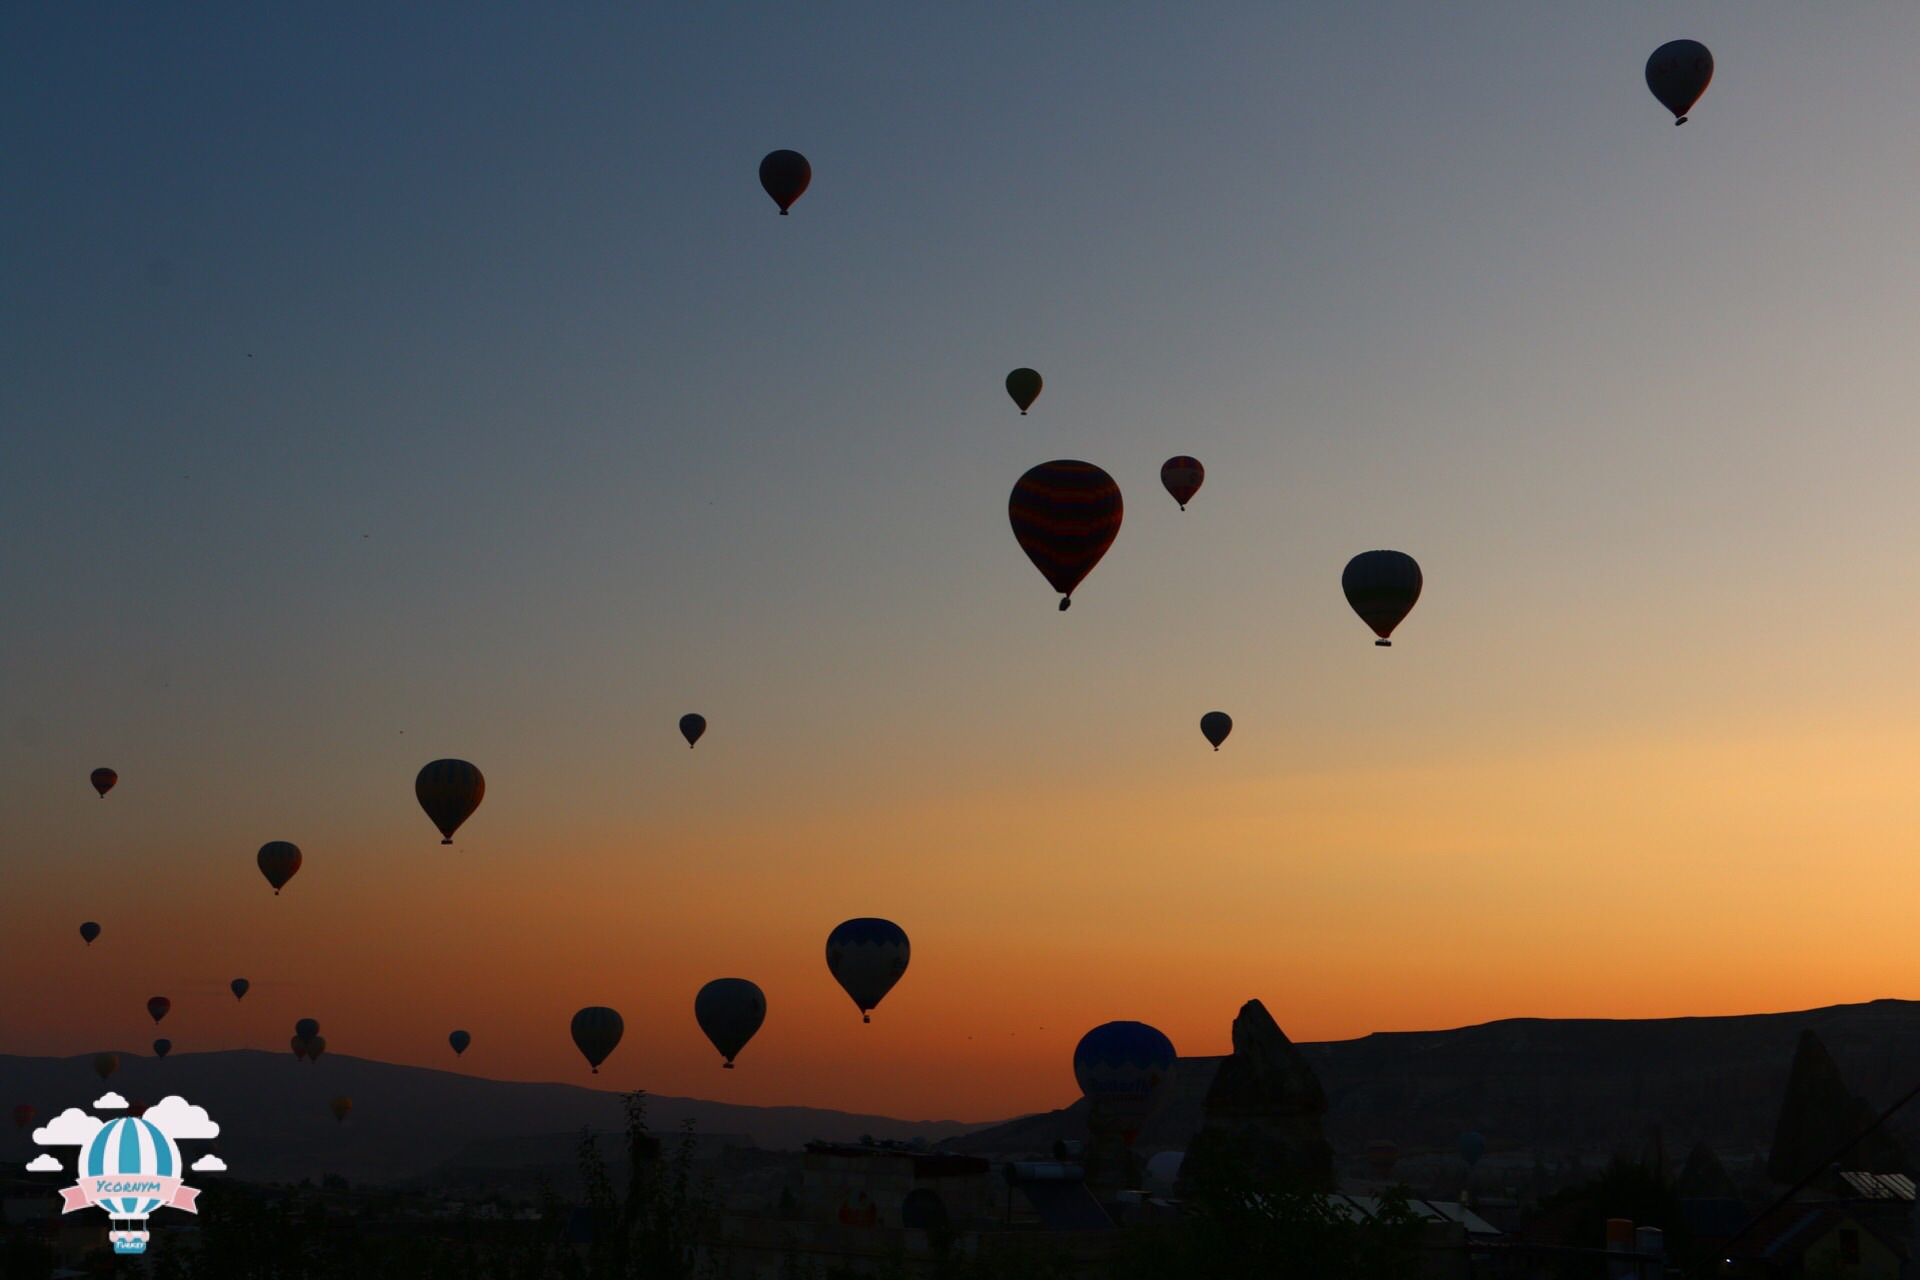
pixel 384 383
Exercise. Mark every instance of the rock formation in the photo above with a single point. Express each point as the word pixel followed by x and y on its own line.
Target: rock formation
pixel 1263 1111
pixel 1819 1115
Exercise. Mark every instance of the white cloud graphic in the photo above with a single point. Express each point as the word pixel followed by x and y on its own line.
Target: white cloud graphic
pixel 71 1128
pixel 181 1120
pixel 43 1163
pixel 209 1164
pixel 109 1101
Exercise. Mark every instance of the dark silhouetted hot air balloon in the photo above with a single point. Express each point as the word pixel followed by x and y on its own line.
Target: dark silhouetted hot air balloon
pixel 785 175
pixel 1678 73
pixel 239 987
pixel 103 780
pixel 23 1115
pixel 1472 1147
pixel 157 1008
pixel 299 1045
pixel 307 1028
pixel 596 1033
pixel 1125 1070
pixel 730 1010
pixel 316 1045
pixel 867 956
pixel 1382 587
pixel 278 860
pixel 1065 515
pixel 89 931
pixel 1183 477
pixel 1216 725
pixel 105 1064
pixel 459 1040
pixel 1024 385
pixel 161 1048
pixel 138 1107
pixel 1382 1155
pixel 691 727
pixel 341 1107
pixel 449 790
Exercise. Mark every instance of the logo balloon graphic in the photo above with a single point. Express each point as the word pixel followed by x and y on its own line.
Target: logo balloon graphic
pixel 130 1169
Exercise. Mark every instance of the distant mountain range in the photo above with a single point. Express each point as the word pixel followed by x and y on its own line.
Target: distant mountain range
pixel 1543 1092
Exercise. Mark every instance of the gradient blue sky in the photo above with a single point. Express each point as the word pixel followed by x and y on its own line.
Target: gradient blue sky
pixel 444 370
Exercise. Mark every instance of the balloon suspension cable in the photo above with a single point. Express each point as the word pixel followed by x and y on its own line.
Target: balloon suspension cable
pixel 1066 603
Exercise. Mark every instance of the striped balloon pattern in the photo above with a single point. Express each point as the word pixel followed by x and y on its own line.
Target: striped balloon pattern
pixel 449 790
pixel 131 1147
pixel 279 861
pixel 1182 477
pixel 1125 1068
pixel 1382 587
pixel 866 957
pixel 596 1033
pixel 1065 514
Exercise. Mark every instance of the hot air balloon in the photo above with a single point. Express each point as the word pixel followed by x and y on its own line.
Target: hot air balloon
pixel 239 987
pixel 730 1010
pixel 459 1040
pixel 89 931
pixel 449 790
pixel 23 1115
pixel 307 1028
pixel 1024 386
pixel 299 1045
pixel 1382 587
pixel 1182 477
pixel 139 1158
pixel 691 727
pixel 1678 72
pixel 1472 1147
pixel 103 780
pixel 105 1064
pixel 161 1048
pixel 278 861
pixel 785 175
pixel 1065 515
pixel 138 1107
pixel 1125 1070
pixel 340 1107
pixel 596 1033
pixel 1382 1155
pixel 866 957
pixel 316 1045
pixel 1216 725
pixel 157 1008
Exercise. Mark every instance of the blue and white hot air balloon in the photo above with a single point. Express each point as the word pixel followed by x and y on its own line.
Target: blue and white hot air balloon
pixel 867 956
pixel 133 1151
pixel 1125 1069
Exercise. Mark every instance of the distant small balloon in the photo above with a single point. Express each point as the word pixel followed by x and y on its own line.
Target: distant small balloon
pixel 1472 1147
pixel 1216 725
pixel 161 1048
pixel 23 1115
pixel 459 1040
pixel 105 1064
pixel 1678 72
pixel 449 791
pixel 1382 587
pixel 157 1008
pixel 299 1046
pixel 341 1108
pixel 239 987
pixel 278 860
pixel 596 1033
pixel 1182 477
pixel 691 727
pixel 316 1045
pixel 307 1028
pixel 729 1011
pixel 785 175
pixel 1025 385
pixel 103 780
pixel 89 931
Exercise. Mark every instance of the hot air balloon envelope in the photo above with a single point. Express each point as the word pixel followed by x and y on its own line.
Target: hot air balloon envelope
pixel 1216 725
pixel 105 1064
pixel 459 1040
pixel 23 1115
pixel 1382 587
pixel 157 1008
pixel 785 176
pixel 340 1107
pixel 1182 477
pixel 103 780
pixel 161 1048
pixel 307 1028
pixel 691 727
pixel 1065 515
pixel 239 987
pixel 299 1045
pixel 316 1045
pixel 730 1010
pixel 89 931
pixel 866 957
pixel 449 790
pixel 1024 385
pixel 278 860
pixel 1678 72
pixel 596 1033
pixel 1472 1147
pixel 1125 1068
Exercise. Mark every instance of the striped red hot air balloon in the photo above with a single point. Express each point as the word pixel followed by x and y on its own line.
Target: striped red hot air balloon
pixel 449 790
pixel 1183 477
pixel 1065 515
pixel 103 780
